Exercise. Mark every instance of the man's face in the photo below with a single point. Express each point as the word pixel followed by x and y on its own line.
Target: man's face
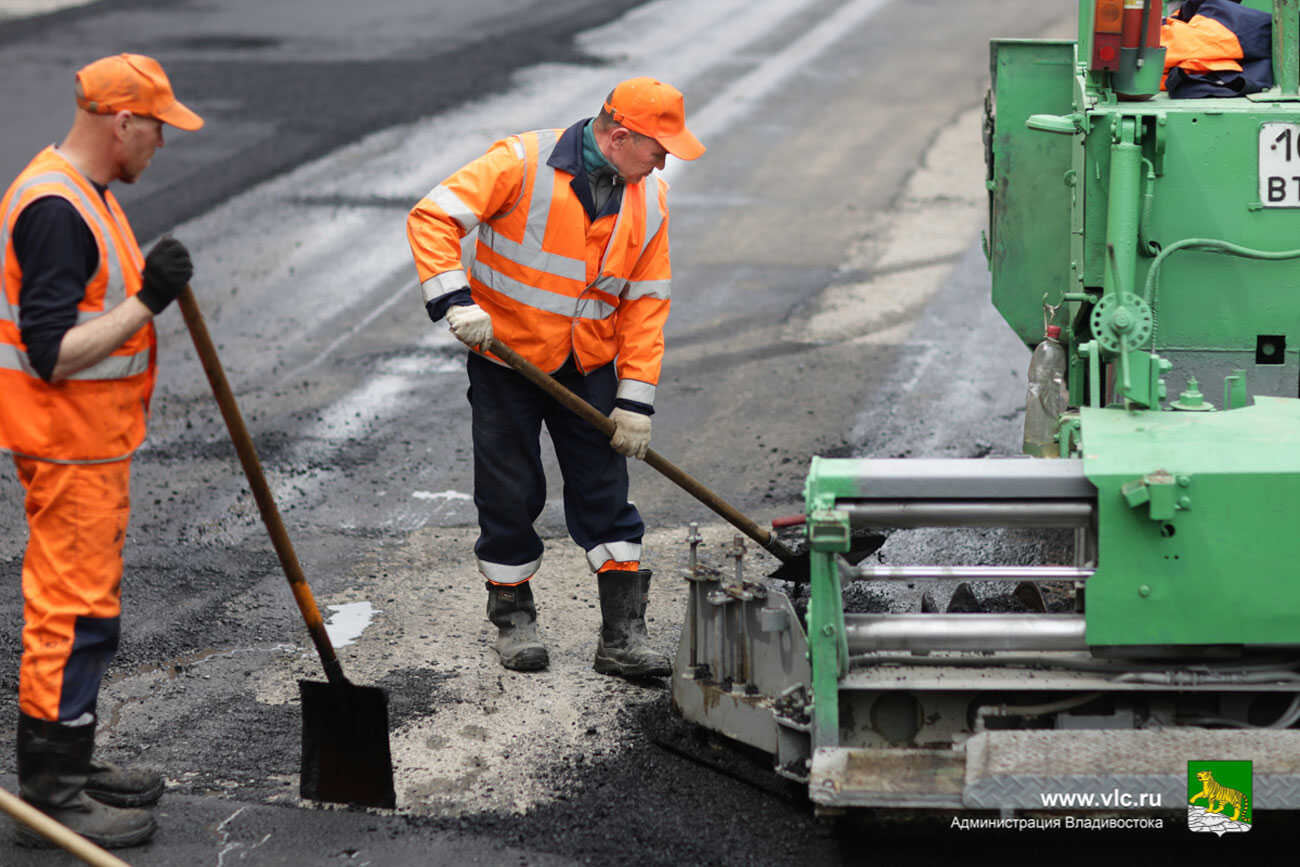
pixel 140 138
pixel 635 155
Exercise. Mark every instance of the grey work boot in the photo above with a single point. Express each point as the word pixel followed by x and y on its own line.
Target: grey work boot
pixel 512 610
pixel 53 765
pixel 624 649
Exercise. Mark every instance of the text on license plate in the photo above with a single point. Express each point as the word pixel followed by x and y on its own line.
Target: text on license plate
pixel 1279 165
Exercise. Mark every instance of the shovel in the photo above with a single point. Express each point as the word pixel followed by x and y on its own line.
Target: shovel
pixel 57 833
pixel 345 755
pixel 794 565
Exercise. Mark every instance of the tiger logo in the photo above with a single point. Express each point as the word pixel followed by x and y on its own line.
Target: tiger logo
pixel 1215 792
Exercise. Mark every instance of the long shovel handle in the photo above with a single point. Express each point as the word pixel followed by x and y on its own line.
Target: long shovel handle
pixel 667 468
pixel 57 833
pixel 257 482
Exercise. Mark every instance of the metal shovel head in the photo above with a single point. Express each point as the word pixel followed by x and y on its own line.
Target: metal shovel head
pixel 345 756
pixel 862 544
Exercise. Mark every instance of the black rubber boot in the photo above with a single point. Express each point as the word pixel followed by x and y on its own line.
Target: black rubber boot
pixel 624 648
pixel 53 765
pixel 512 610
pixel 123 787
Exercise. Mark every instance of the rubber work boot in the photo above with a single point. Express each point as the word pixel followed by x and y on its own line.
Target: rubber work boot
pixel 123 787
pixel 515 616
pixel 624 648
pixel 53 765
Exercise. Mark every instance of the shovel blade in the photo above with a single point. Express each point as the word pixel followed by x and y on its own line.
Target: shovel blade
pixel 345 755
pixel 862 544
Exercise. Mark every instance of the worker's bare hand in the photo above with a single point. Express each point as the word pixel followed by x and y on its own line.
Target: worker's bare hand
pixel 471 324
pixel 631 433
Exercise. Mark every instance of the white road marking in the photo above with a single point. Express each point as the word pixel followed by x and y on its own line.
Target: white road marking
pixel 27 8
pixel 348 621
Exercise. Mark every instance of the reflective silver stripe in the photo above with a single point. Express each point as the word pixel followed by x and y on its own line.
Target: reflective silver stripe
pixel 620 552
pixel 648 289
pixel 529 252
pixel 654 216
pixel 610 284
pixel 120 457
pixel 112 367
pixel 116 367
pixel 455 208
pixel 654 222
pixel 541 299
pixel 13 358
pixel 440 284
pixel 618 221
pixel 84 316
pixel 539 209
pixel 634 389
pixel 500 573
pixel 115 288
pixel 564 267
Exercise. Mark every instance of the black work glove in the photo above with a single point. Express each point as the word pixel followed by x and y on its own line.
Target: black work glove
pixel 167 269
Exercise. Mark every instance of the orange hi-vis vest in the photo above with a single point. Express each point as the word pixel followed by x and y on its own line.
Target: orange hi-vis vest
pixel 555 282
pixel 97 414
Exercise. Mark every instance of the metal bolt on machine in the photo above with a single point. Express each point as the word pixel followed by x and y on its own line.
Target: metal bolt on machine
pixel 1158 235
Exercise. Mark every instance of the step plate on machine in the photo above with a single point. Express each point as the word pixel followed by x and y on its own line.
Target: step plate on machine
pixel 1015 769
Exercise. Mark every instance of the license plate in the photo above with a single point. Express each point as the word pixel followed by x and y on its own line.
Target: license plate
pixel 1279 165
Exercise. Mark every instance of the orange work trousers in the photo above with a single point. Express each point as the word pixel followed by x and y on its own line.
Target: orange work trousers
pixel 72 578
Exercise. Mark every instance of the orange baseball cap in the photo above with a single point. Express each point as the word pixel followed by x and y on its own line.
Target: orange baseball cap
pixel 134 83
pixel 655 109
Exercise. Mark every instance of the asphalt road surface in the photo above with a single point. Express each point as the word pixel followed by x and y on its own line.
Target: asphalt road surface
pixel 829 298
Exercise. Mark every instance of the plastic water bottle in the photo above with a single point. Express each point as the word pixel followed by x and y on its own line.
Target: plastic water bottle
pixel 1048 396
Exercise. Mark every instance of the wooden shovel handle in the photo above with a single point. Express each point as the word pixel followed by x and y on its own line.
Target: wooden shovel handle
pixel 239 435
pixel 57 833
pixel 665 467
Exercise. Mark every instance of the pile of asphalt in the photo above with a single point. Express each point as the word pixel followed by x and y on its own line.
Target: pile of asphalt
pixel 954 547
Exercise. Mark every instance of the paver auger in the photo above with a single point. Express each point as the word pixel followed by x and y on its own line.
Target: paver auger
pixel 1157 238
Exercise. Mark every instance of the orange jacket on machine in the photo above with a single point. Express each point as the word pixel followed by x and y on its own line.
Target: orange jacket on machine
pixel 1217 48
pixel 554 282
pixel 97 414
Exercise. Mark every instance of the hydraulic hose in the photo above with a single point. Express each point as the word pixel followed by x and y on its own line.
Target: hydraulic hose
pixel 1288 718
pixel 1029 710
pixel 1192 678
pixel 1208 245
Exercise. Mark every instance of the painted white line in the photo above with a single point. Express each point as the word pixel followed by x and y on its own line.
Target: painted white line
pixel 744 94
pixel 354 330
pixel 348 621
pixel 27 8
pixel 441 495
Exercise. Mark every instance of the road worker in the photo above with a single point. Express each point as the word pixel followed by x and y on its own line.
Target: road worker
pixel 77 362
pixel 571 270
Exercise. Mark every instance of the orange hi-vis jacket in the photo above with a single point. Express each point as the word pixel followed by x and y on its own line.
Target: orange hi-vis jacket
pixel 555 282
pixel 99 413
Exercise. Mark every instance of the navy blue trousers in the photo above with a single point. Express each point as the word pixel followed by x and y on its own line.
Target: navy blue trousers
pixel 510 485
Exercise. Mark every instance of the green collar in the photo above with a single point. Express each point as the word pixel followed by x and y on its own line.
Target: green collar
pixel 592 158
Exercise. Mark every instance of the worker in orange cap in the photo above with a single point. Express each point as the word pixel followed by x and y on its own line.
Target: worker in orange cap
pixel 77 369
pixel 571 270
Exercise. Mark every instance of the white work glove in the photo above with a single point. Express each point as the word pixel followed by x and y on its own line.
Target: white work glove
pixel 631 432
pixel 470 323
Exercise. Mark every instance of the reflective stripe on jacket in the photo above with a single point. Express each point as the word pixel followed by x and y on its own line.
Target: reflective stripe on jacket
pixel 555 282
pixel 99 413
